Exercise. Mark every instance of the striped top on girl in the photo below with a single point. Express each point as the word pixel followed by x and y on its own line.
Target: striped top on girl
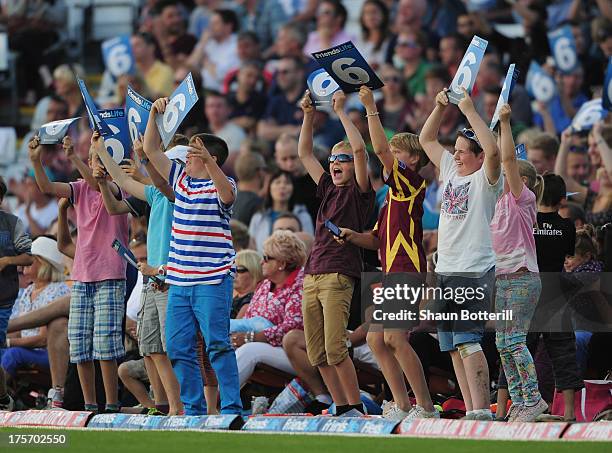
pixel 201 250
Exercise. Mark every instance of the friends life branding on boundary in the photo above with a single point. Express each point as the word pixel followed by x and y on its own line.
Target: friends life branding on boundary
pixel 400 302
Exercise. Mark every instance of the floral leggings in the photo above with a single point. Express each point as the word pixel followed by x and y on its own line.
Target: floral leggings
pixel 520 294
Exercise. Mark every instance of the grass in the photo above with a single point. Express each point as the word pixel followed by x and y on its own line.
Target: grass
pixel 176 441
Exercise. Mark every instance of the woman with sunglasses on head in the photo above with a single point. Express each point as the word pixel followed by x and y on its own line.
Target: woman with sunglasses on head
pixel 275 308
pixel 471 183
pixel 279 199
pixel 597 205
pixel 517 286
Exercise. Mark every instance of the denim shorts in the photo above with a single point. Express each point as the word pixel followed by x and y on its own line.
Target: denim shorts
pixel 456 331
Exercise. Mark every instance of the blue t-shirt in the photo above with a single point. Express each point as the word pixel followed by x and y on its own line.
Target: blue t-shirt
pixel 559 117
pixel 160 226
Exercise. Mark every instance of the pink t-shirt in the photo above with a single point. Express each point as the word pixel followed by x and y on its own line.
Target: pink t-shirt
pixel 512 232
pixel 94 259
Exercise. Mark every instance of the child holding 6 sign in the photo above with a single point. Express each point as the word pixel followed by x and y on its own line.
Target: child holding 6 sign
pixel 471 182
pixel 201 266
pixel 346 199
pixel 96 303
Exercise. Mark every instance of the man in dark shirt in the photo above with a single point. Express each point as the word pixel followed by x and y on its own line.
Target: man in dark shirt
pixel 283 114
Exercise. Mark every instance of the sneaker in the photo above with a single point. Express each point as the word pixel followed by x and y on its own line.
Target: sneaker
pixel 8 406
pixel 479 416
pixel 513 412
pixel 387 406
pixel 418 412
pixel 395 413
pixel 155 411
pixel 530 413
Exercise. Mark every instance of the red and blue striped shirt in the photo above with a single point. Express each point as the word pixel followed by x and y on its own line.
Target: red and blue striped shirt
pixel 201 250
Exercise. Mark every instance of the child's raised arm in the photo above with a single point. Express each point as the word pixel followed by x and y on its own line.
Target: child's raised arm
pixel 428 138
pixel 119 176
pixel 58 189
pixel 355 140
pixel 305 145
pixel 492 162
pixel 152 140
pixel 377 132
pixel 511 168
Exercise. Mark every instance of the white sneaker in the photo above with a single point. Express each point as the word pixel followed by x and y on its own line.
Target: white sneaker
pixel 418 412
pixel 514 410
pixel 530 413
pixel 395 413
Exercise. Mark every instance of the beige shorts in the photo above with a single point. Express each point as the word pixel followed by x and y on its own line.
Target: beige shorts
pixel 326 305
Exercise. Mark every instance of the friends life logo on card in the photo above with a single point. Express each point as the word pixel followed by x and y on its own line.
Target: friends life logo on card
pixel 142 102
pixel 112 113
pixel 191 87
pixel 335 51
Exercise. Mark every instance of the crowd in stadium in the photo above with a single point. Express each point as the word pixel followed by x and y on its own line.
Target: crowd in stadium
pixel 241 283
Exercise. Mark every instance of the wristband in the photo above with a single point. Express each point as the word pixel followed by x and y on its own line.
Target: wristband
pixel 8 343
pixel 161 270
pixel 372 114
pixel 144 161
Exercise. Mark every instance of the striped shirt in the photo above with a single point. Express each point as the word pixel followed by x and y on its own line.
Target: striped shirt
pixel 201 250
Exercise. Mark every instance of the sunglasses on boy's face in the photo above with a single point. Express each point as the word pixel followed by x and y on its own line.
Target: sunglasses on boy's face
pixel 470 134
pixel 342 158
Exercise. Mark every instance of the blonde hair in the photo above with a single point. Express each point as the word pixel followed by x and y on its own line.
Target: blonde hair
pixel 69 73
pixel 287 247
pixel 342 146
pixel 252 261
pixel 535 182
pixel 49 273
pixel 408 142
pixel 586 241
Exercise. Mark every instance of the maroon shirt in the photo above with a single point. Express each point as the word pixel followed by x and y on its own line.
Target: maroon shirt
pixel 346 207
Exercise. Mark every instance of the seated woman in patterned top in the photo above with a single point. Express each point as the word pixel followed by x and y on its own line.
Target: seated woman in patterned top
pixel 275 309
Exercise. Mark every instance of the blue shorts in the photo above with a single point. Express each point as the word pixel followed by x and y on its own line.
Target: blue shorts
pixel 96 320
pixel 452 333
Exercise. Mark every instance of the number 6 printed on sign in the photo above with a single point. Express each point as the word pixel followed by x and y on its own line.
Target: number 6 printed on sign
pixel 117 54
pixel 467 70
pixel 138 109
pixel 179 105
pixel 563 48
pixel 347 67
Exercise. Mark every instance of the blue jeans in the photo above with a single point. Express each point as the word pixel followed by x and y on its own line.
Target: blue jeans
pixel 209 307
pixel 14 358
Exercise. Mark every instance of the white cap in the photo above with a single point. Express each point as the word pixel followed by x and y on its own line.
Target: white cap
pixel 47 248
pixel 178 152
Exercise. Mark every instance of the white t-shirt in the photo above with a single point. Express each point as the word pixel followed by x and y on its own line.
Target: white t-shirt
pixel 224 54
pixel 468 205
pixel 135 302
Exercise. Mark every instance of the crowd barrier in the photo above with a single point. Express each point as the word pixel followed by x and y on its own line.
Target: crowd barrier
pixel 436 428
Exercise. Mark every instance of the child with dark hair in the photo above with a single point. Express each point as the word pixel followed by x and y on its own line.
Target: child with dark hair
pixel 201 267
pixel 555 238
pixel 15 250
